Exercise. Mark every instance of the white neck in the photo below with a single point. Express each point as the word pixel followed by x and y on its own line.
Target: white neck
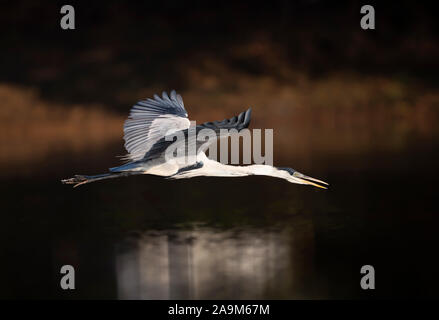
pixel 214 168
pixel 217 169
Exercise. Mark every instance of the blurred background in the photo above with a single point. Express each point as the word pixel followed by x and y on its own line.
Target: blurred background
pixel 357 108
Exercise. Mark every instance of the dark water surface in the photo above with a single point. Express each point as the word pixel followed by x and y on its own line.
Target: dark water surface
pixel 148 238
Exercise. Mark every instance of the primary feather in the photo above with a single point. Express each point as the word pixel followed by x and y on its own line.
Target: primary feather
pixel 152 119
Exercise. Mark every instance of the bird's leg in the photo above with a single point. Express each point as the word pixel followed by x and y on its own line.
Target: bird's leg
pixel 78 179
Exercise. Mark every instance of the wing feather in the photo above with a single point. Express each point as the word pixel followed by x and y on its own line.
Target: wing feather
pixel 150 120
pixel 239 123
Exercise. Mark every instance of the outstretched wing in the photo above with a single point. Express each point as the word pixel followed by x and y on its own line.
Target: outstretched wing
pixel 150 120
pixel 239 122
pixel 222 128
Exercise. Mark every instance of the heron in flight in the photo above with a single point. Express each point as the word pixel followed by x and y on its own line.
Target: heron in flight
pixel 146 135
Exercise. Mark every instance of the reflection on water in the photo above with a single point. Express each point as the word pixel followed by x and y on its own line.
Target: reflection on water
pixel 256 237
pixel 207 263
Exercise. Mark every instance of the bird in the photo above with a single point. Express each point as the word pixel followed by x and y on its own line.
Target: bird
pixel 147 132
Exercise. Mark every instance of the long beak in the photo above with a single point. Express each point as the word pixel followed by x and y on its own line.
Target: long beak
pixel 308 180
